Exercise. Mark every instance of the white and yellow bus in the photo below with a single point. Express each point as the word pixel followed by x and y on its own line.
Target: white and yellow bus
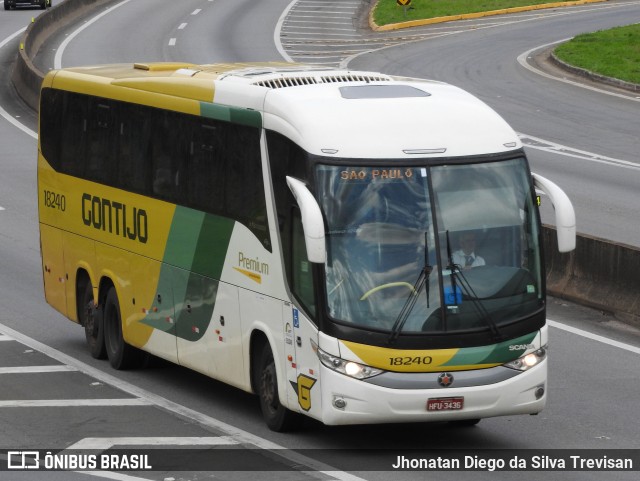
pixel 296 232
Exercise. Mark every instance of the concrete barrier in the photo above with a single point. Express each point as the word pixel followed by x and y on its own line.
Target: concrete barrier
pixel 599 273
pixel 26 77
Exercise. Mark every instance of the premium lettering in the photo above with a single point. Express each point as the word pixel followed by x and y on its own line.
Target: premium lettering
pixel 253 264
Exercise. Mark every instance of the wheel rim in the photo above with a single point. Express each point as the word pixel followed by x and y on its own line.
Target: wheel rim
pixel 268 390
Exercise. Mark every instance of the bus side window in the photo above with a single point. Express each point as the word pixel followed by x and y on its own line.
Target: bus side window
pixel 100 142
pixel 51 125
pixel 246 203
pixel 133 149
pixel 73 135
pixel 169 151
pixel 206 184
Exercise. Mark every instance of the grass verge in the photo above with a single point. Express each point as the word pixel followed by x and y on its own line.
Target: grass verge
pixel 388 11
pixel 612 53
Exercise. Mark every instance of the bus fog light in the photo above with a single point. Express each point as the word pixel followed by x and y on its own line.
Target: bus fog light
pixel 339 403
pixel 539 392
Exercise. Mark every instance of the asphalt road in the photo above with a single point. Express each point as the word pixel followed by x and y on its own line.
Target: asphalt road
pixel 593 381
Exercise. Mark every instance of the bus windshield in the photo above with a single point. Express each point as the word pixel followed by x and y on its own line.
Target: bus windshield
pixel 445 248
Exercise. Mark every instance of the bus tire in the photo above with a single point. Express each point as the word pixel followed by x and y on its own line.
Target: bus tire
pixel 92 321
pixel 277 417
pixel 121 355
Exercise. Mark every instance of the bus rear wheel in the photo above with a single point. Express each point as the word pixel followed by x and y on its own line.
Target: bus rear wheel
pixel 277 417
pixel 121 355
pixel 92 322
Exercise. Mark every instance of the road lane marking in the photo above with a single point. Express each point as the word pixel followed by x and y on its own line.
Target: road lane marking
pixel 182 26
pixel 114 476
pixel 108 443
pixel 317 468
pixel 103 444
pixel 172 42
pixel 36 369
pixel 17 124
pixel 594 337
pixel 46 403
pixel 522 60
pixel 57 61
pixel 559 149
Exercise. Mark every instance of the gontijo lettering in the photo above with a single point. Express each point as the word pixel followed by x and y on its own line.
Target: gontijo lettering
pixel 114 217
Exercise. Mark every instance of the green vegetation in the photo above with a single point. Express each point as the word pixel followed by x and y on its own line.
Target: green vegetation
pixel 613 53
pixel 388 11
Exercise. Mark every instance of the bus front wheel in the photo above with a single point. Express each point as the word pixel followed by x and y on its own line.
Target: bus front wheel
pixel 277 417
pixel 121 355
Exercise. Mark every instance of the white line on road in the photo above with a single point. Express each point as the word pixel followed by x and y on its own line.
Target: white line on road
pixel 57 61
pixel 172 42
pixel 36 369
pixel 114 476
pixel 3 112
pixel 241 436
pixel 41 403
pixel 17 124
pixel 108 443
pixel 104 444
pixel 11 37
pixel 594 337
pixel 545 145
pixel 522 60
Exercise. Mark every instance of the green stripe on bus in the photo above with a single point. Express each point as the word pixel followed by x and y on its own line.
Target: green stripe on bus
pixel 494 354
pixel 251 118
pixel 194 258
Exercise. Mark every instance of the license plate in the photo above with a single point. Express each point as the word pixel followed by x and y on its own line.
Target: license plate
pixel 445 404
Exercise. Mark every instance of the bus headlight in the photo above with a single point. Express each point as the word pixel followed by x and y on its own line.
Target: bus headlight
pixel 348 368
pixel 528 360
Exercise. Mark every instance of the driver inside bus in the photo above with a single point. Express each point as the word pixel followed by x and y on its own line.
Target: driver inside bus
pixel 466 257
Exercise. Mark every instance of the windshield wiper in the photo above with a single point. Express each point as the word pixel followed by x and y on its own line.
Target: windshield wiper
pixel 423 280
pixel 456 272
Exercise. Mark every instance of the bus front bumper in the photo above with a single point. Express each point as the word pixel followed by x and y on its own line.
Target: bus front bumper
pixel 350 401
